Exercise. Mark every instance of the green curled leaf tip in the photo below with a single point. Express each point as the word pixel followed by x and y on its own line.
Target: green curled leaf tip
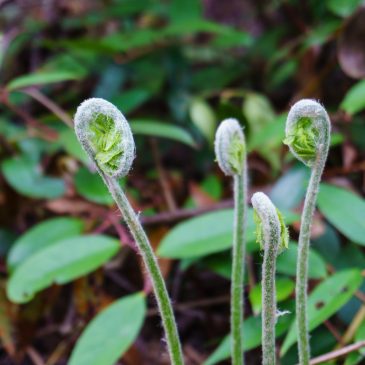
pixel 105 135
pixel 307 130
pixel 269 221
pixel 230 147
pixel 284 233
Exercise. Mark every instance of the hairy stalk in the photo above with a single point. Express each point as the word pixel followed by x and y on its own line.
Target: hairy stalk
pixel 153 269
pixel 272 236
pixel 105 135
pixel 231 156
pixel 308 136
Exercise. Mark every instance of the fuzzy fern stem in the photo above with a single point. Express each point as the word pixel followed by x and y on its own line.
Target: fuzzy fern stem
pixel 230 152
pixel 308 131
pixel 149 259
pixel 106 137
pixel 272 236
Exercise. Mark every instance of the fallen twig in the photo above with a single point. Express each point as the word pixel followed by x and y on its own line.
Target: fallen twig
pixel 338 353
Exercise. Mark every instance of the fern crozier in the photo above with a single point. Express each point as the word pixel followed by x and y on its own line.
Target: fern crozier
pixel 105 135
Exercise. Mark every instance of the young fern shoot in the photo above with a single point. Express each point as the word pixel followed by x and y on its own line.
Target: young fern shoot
pixel 105 135
pixel 230 150
pixel 308 131
pixel 273 237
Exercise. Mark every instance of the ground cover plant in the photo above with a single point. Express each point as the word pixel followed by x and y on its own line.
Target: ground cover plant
pixel 74 288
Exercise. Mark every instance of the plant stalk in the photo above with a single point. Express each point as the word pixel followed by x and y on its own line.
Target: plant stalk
pixel 269 301
pixel 150 261
pixel 302 266
pixel 240 187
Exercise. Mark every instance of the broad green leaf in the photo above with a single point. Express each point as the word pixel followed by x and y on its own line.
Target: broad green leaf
pixel 91 187
pixel 60 263
pixel 269 137
pixel 284 288
pixel 341 7
pixel 265 133
pixel 185 10
pixel 42 78
pixel 41 236
pixel 207 234
pixel 109 335
pixel 258 111
pixel 354 100
pixel 203 117
pixel 295 180
pixel 7 239
pixel 130 100
pixel 320 34
pixel 203 235
pixel 325 300
pixel 164 130
pixel 345 210
pixel 328 245
pixel 26 178
pixel 251 338
pixel 68 140
pixel 286 263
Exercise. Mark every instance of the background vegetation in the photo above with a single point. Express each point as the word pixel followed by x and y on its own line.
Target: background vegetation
pixel 175 69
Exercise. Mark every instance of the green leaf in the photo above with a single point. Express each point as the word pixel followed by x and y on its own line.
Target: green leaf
pixel 68 140
pixel 284 288
pixel 258 111
pixel 185 10
pixel 109 335
pixel 252 338
pixel 60 263
pixel 164 130
pixel 26 178
pixel 41 236
pixel 207 234
pixel 130 100
pixel 345 210
pixel 325 300
pixel 7 239
pixel 287 263
pixel 203 235
pixel 342 8
pixel 354 100
pixel 42 78
pixel 91 187
pixel 203 117
pixel 294 180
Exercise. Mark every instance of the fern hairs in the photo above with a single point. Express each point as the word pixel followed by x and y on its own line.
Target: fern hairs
pixel 272 235
pixel 230 150
pixel 308 131
pixel 105 135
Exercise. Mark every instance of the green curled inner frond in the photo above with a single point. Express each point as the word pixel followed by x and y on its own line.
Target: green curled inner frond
pixel 259 229
pixel 105 140
pixel 303 139
pixel 236 153
pixel 284 232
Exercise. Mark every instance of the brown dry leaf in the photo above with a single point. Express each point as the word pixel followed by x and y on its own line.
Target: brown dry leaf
pixel 83 295
pixel 349 155
pixel 318 226
pixel 156 236
pixel 201 198
pixel 132 356
pixel 73 206
pixel 351 46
